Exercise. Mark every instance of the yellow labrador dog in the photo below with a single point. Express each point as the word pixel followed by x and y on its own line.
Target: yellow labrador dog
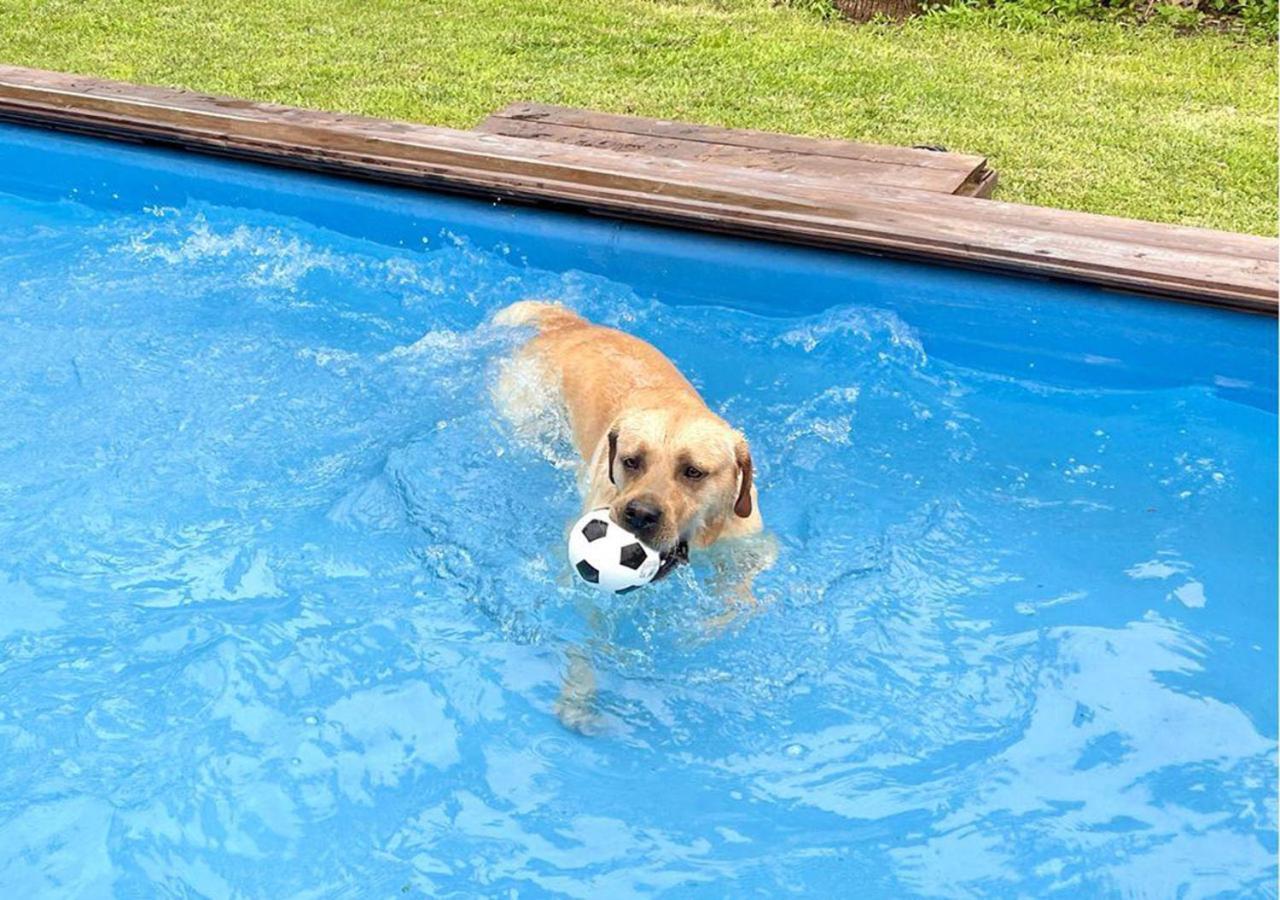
pixel 670 470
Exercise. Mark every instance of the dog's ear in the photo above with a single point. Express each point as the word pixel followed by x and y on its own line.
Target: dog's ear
pixel 743 507
pixel 613 451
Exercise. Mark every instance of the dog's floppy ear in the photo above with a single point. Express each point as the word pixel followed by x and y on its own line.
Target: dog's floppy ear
pixel 743 507
pixel 613 451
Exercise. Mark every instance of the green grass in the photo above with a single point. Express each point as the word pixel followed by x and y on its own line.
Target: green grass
pixel 1098 116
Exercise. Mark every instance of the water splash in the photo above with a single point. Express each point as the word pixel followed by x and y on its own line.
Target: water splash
pixel 280 585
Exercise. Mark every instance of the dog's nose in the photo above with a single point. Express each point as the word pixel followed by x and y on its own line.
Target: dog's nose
pixel 641 515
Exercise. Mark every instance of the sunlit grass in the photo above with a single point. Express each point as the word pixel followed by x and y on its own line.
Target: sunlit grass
pixel 1085 115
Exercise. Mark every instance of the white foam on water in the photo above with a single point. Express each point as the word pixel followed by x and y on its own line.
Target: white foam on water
pixel 297 580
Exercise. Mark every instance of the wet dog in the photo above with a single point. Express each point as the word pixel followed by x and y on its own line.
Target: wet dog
pixel 668 468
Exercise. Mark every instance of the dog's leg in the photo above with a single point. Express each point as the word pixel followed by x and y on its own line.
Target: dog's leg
pixel 736 563
pixel 576 706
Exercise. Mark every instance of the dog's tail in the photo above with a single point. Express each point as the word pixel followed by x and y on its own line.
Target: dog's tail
pixel 538 314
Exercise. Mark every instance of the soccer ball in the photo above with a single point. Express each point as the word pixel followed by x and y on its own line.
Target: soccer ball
pixel 607 556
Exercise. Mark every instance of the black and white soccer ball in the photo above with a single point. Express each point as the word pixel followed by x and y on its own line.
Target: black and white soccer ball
pixel 607 556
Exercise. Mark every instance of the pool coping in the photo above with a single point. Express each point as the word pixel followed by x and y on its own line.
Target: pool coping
pixel 1217 268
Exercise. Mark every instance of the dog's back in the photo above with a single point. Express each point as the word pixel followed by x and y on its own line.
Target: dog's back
pixel 537 314
pixel 598 369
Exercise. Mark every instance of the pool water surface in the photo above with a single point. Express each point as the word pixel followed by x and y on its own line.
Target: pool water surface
pixel 283 604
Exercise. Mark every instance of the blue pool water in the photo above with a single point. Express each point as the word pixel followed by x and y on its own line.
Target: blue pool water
pixel 283 612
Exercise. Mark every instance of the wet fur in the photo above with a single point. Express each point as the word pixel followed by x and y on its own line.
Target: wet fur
pixel 626 402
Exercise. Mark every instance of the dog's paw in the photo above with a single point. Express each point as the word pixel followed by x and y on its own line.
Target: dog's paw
pixel 576 706
pixel 715 626
pixel 578 717
pixel 741 604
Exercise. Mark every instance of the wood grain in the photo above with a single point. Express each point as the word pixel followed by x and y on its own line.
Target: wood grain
pixel 741 137
pixel 839 162
pixel 1199 265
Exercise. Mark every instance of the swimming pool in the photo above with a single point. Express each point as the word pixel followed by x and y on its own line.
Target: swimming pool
pixel 281 606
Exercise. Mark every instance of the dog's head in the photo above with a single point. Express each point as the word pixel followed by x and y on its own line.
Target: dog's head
pixel 676 471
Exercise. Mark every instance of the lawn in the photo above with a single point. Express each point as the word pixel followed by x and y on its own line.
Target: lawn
pixel 1132 121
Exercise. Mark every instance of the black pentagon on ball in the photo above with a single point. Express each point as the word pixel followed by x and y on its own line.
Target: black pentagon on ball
pixel 588 572
pixel 633 556
pixel 595 529
pixel 628 590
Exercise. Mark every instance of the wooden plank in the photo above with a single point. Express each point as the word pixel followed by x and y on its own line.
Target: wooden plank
pixel 994 216
pixel 666 138
pixel 1143 235
pixel 864 163
pixel 1204 266
pixel 982 183
pixel 858 171
pixel 740 137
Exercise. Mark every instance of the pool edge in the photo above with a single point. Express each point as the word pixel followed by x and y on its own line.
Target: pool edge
pixel 1220 269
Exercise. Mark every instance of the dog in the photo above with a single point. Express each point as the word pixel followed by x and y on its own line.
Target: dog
pixel 668 468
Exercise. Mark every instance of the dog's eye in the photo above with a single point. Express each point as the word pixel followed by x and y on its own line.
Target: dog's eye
pixel 693 473
pixel 630 462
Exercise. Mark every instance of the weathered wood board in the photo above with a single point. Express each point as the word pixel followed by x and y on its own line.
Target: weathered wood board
pixel 843 163
pixel 1199 265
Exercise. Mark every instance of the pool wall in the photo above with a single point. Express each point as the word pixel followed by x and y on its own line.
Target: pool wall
pixel 1013 326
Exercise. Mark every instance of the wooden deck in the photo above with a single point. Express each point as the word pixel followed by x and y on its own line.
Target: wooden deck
pixel 1198 265
pixel 846 163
